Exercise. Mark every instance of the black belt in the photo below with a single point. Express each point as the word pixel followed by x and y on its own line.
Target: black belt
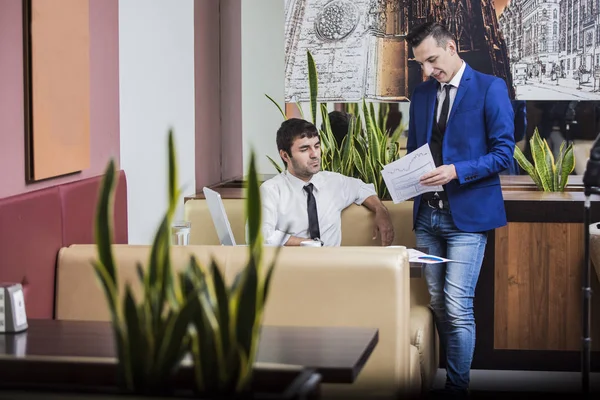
pixel 436 202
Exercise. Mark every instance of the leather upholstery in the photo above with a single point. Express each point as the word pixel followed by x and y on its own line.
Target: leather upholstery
pixel 329 287
pixel 357 230
pixel 35 225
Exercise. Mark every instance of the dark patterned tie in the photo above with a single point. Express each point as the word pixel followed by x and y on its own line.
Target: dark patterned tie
pixel 311 207
pixel 445 107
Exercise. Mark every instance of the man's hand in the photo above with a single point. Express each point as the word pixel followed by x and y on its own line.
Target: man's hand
pixel 439 176
pixel 383 226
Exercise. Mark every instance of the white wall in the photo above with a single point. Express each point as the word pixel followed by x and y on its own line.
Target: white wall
pixel 156 75
pixel 263 72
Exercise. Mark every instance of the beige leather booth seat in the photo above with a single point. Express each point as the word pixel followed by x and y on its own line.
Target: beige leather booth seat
pixel 329 287
pixel 357 230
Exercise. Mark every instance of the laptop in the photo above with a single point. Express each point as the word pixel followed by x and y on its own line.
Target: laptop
pixel 219 217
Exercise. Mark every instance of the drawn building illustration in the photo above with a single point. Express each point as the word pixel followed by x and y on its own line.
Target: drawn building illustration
pixel 360 51
pixel 553 48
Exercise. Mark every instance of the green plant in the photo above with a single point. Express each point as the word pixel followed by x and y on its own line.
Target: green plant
pixel 192 311
pixel 547 175
pixel 367 147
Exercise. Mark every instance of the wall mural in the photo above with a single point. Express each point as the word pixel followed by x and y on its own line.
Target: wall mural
pixel 359 46
pixel 544 49
pixel 553 47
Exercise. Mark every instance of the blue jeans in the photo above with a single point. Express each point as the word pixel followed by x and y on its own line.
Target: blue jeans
pixel 452 287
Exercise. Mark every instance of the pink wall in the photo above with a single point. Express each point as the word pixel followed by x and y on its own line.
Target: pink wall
pixel 231 89
pixel 207 93
pixel 218 80
pixel 104 93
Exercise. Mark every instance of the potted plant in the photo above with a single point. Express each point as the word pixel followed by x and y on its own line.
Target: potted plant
pixel 367 147
pixel 549 175
pixel 191 312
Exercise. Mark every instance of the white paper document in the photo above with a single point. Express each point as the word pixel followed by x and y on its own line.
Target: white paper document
pixel 417 256
pixel 402 176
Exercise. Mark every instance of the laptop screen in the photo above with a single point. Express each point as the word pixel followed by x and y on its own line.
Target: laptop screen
pixel 219 217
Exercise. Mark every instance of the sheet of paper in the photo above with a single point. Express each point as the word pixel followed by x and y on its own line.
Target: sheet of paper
pixel 417 256
pixel 402 176
pixel 420 257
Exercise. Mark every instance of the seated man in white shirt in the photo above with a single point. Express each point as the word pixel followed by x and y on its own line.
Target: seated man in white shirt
pixel 304 203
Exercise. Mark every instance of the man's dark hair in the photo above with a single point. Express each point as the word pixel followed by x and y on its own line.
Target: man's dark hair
pixel 292 129
pixel 434 29
pixel 339 122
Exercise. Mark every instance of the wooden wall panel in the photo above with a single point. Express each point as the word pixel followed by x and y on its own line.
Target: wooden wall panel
pixel 538 286
pixel 57 66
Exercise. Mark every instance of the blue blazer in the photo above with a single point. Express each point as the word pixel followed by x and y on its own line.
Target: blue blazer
pixel 479 141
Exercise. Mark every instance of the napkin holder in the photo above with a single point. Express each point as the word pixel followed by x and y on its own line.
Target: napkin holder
pixel 13 317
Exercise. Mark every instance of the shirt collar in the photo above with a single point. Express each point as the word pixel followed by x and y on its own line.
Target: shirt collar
pixel 456 80
pixel 298 184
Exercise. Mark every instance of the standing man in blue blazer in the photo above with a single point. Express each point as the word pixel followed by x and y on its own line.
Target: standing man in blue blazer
pixel 467 119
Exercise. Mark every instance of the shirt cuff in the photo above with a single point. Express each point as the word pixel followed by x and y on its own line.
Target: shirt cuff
pixel 277 238
pixel 367 190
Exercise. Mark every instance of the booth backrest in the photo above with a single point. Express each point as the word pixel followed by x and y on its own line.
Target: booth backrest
pixel 357 223
pixel 357 230
pixel 35 225
pixel 343 286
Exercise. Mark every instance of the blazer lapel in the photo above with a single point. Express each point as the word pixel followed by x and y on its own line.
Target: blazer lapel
pixel 462 89
pixel 431 97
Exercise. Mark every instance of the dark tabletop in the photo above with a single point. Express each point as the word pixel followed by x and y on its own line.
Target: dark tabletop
pixel 338 354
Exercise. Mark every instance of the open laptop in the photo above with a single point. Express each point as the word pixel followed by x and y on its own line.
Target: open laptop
pixel 219 217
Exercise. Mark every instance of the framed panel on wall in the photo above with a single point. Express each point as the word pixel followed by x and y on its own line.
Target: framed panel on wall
pixel 56 40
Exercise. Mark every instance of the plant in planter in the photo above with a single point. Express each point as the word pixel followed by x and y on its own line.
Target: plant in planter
pixel 548 175
pixel 367 147
pixel 193 311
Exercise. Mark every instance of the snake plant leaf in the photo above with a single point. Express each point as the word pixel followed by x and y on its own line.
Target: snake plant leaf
pixel 245 369
pixel 137 345
pixel 527 167
pixel 538 151
pixel 313 80
pixel 550 164
pixel 277 105
pixel 139 269
pixel 274 163
pixel 109 288
pixel 174 340
pixel 568 165
pixel 222 303
pixel 104 219
pixel 369 123
pixel 253 207
pixel 246 307
pixel 384 111
pixel 204 345
pixel 173 175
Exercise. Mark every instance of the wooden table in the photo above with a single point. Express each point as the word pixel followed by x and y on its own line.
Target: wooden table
pixel 84 351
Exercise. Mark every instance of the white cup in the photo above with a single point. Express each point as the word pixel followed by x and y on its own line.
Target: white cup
pixel 311 243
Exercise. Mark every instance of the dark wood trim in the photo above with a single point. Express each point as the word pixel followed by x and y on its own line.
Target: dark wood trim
pixel 28 109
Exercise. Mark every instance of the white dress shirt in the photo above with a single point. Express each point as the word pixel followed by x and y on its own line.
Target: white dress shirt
pixel 284 209
pixel 441 94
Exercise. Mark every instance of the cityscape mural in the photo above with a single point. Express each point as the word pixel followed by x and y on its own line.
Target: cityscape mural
pixel 553 48
pixel 360 51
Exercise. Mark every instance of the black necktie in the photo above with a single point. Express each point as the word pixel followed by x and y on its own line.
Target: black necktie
pixel 445 107
pixel 311 207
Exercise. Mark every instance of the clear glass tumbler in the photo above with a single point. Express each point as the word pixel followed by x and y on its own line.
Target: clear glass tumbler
pixel 180 233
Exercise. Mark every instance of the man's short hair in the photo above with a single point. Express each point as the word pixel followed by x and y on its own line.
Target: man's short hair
pixel 339 122
pixel 434 29
pixel 292 129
